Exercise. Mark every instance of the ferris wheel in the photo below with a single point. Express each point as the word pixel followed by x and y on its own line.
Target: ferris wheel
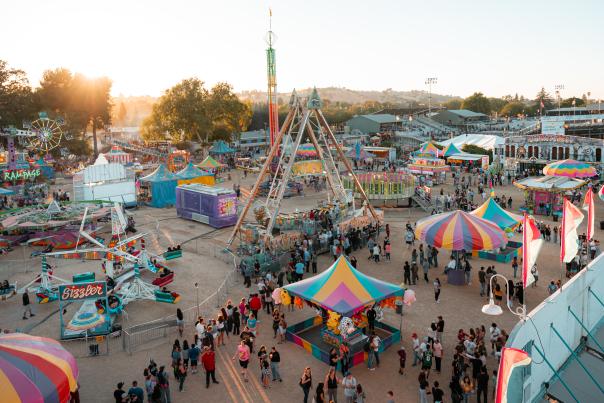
pixel 46 133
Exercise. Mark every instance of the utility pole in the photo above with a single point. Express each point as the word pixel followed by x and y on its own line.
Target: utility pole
pixel 559 88
pixel 429 82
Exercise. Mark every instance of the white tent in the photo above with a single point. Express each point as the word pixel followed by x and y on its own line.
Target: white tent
pixel 486 141
pixel 105 181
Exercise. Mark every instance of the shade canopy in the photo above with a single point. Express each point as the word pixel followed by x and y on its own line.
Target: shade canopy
pixel 570 169
pixel 343 289
pixel 493 212
pixel 358 152
pixel 85 320
pixel 190 172
pixel 458 230
pixel 552 184
pixel 220 147
pixel 430 148
pixel 451 150
pixel 161 174
pixel 209 163
pixel 35 369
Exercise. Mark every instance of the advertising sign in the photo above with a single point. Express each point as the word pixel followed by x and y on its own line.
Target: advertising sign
pixel 82 291
pixel 19 174
pixel 485 162
pixel 552 126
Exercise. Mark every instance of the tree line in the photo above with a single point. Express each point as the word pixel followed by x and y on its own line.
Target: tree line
pixel 80 101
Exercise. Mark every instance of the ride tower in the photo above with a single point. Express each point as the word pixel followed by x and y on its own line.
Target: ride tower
pixel 273 108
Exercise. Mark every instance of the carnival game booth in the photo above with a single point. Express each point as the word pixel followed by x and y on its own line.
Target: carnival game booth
pixel 382 185
pixel 429 165
pixel 544 195
pixel 191 174
pixel 118 156
pixel 158 189
pixel 341 296
pixel 210 205
pixel 210 164
pixel 105 181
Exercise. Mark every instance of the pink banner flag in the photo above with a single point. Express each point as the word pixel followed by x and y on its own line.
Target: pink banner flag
pixel 571 218
pixel 531 245
pixel 588 205
pixel 511 358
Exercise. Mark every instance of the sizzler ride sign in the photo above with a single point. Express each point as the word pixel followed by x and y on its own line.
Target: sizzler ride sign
pixel 20 174
pixel 75 292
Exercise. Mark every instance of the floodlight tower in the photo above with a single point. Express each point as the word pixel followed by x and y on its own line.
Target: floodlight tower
pixel 429 82
pixel 273 110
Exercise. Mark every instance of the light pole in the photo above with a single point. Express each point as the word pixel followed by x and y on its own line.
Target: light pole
pixel 197 298
pixel 559 88
pixel 492 309
pixel 429 82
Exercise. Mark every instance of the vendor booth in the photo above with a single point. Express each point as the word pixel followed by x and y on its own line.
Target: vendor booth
pixel 210 164
pixel 427 164
pixel 544 195
pixel 105 181
pixel 158 189
pixel 341 295
pixel 207 204
pixel 192 174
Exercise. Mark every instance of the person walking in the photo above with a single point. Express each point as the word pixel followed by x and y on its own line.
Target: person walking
pixel 164 384
pixel 180 373
pixel 349 383
pixel 515 265
pixel 275 359
pixel 437 287
pixel 426 268
pixel 375 345
pixel 27 306
pixel 402 359
pixel 180 321
pixel 482 386
pixel 208 359
pixel 243 353
pixel 438 354
pixel 423 387
pixel 482 279
pixel 306 382
pixel 407 274
pixel 416 350
pixel 371 314
pixel 414 276
pixel 440 328
pixel 331 380
pixel 437 393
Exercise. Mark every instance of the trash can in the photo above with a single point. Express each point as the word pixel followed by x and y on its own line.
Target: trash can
pixel 399 306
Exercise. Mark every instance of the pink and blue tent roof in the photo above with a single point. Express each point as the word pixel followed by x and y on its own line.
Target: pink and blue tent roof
pixel 191 172
pixel 161 174
pixel 451 150
pixel 163 186
pixel 358 152
pixel 343 289
pixel 491 211
pixel 220 147
pixel 429 148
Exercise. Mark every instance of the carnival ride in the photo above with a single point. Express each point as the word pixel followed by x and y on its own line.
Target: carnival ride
pixel 383 185
pixel 302 120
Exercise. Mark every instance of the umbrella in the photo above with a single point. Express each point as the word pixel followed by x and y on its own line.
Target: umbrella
pixel 458 230
pixel 570 169
pixel 494 213
pixel 85 321
pixel 35 369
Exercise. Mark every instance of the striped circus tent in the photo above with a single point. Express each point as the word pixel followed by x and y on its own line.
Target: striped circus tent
pixel 570 169
pixel 493 212
pixel 35 369
pixel 458 230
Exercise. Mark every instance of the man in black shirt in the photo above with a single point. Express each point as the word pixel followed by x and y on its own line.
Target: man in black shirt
pixel 440 328
pixel 119 394
pixel 275 360
pixel 371 318
pixel 437 393
pixel 483 384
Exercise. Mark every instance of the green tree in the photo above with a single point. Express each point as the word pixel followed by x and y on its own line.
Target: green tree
pixel 497 104
pixel 93 97
pixel 568 102
pixel 543 97
pixel 453 104
pixel 477 102
pixel 514 108
pixel 189 111
pixel 16 96
pixel 474 149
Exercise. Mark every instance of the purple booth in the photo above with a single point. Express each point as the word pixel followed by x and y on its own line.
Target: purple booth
pixel 207 204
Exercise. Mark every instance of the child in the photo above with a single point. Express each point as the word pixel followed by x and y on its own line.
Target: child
pixel 388 248
pixel 266 373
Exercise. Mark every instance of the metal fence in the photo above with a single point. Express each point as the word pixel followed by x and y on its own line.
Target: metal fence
pixel 94 346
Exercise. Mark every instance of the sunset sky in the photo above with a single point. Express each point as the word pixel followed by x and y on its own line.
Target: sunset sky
pixel 494 46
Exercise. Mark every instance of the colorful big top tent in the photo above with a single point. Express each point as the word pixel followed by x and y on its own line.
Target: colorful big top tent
pixel 209 163
pixel 117 155
pixel 343 289
pixel 451 150
pixel 429 148
pixel 163 186
pixel 220 147
pixel 35 369
pixel 458 230
pixel 493 212
pixel 570 169
pixel 192 174
pixel 306 150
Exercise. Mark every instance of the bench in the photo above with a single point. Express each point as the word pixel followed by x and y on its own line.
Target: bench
pixel 84 277
pixel 173 254
pixel 163 281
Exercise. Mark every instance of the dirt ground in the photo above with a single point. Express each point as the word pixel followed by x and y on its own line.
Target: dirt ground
pixel 460 306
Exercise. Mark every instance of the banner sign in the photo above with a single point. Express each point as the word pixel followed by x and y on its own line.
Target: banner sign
pixel 19 174
pixel 552 126
pixel 82 291
pixel 485 162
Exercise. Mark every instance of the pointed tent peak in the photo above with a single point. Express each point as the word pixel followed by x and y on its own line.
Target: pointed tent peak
pixel 451 150
pixel 160 174
pixel 314 100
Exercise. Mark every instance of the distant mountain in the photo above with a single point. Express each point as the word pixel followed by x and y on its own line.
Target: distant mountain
pixel 336 94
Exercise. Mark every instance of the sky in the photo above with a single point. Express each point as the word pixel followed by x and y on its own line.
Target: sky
pixel 497 47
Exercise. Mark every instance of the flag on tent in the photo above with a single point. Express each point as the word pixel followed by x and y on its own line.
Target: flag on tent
pixel 571 218
pixel 531 245
pixel 511 358
pixel 601 193
pixel 588 205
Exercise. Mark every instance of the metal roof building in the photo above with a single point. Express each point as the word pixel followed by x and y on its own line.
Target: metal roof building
pixel 377 123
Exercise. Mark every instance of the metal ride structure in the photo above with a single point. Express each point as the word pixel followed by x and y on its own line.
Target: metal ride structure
pixel 302 119
pixel 41 136
pixel 273 109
